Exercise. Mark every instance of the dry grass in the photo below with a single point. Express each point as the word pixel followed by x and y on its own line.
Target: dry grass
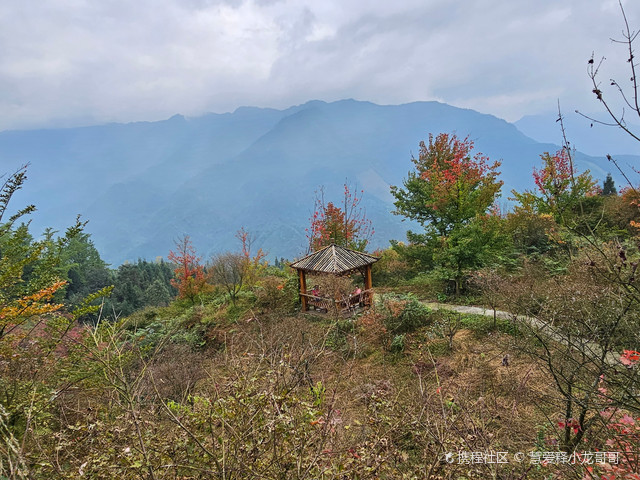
pixel 468 395
pixel 353 405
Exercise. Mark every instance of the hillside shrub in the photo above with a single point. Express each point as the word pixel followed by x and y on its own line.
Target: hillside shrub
pixel 397 344
pixel 277 294
pixel 372 334
pixel 403 313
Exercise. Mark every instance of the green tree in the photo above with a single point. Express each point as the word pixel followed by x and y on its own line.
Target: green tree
pixel 449 187
pixel 157 294
pixel 82 267
pixel 29 270
pixel 451 194
pixel 140 284
pixel 128 293
pixel 609 186
pixel 469 247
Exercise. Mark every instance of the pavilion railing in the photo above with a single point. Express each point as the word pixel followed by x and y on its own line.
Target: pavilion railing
pixel 344 304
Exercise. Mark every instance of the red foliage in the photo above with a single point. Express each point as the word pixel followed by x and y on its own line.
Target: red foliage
pixel 631 197
pixel 623 435
pixel 559 185
pixel 629 357
pixel 448 166
pixel 345 225
pixel 570 423
pixel 453 185
pixel 189 278
pixel 555 175
pixel 625 440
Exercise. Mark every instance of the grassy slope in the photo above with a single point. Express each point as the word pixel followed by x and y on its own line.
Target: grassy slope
pixel 392 412
pixel 216 391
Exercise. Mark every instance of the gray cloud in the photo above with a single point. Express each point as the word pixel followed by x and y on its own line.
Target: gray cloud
pixel 72 62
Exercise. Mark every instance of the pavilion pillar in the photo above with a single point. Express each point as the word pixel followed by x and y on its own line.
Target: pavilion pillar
pixel 303 290
pixel 368 284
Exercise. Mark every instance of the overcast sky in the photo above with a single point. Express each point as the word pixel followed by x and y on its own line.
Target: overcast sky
pixel 78 62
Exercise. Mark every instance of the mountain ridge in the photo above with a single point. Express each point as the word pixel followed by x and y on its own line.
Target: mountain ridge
pixel 142 185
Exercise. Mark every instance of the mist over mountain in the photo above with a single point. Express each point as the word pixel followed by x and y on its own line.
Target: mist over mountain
pixel 588 136
pixel 142 185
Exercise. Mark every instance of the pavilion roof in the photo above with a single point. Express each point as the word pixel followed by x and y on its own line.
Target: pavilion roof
pixel 334 259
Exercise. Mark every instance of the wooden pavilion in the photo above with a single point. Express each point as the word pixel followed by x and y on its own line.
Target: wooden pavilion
pixel 338 261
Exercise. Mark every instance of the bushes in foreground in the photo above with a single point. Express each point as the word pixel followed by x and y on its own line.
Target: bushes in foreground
pixel 403 313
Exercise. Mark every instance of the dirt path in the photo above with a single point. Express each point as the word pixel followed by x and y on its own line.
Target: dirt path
pixel 613 358
pixel 488 312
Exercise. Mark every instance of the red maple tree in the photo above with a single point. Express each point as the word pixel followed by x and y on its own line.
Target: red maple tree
pixel 560 188
pixel 451 184
pixel 190 279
